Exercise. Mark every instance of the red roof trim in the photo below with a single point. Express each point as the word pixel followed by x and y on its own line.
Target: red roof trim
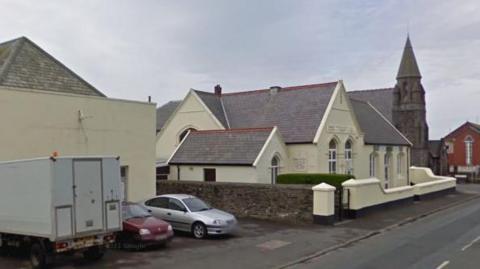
pixel 283 89
pixel 371 90
pixel 237 130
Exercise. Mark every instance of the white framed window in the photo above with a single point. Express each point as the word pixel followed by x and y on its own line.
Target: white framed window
pixel 275 169
pixel 349 157
pixel 332 157
pixel 184 133
pixel 373 164
pixel 468 150
pixel 400 160
pixel 386 163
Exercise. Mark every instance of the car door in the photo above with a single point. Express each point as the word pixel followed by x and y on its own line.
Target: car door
pixel 177 213
pixel 158 207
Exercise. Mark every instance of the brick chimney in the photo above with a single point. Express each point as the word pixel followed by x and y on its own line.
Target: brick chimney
pixel 218 90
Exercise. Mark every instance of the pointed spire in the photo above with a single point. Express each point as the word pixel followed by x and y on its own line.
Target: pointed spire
pixel 408 65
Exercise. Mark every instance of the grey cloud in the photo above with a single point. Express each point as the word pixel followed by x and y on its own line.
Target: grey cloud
pixel 132 49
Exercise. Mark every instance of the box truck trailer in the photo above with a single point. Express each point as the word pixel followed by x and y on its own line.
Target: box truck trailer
pixel 60 205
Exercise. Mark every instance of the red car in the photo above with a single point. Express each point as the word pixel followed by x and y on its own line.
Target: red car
pixel 141 229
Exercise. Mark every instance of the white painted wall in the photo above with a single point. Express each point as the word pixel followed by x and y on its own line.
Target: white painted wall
pixel 341 125
pixel 37 123
pixel 191 113
pixel 369 192
pixel 274 147
pixel 244 174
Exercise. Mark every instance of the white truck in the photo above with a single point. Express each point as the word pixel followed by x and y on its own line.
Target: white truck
pixel 60 205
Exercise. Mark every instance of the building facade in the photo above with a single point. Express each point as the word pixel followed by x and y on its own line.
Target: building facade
pixel 47 108
pixel 463 150
pixel 321 129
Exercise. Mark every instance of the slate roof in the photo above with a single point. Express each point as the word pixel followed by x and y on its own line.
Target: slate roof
pixel 221 147
pixel 476 126
pixel 25 65
pixel 381 99
pixel 296 111
pixel 376 128
pixel 164 112
pixel 408 65
pixel 214 103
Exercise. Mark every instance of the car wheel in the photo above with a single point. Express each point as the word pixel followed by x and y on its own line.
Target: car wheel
pixel 94 253
pixel 199 230
pixel 38 256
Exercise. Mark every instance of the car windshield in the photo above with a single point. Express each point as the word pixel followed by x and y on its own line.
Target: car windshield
pixel 136 211
pixel 195 204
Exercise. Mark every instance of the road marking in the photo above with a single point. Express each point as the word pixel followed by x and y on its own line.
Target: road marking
pixel 471 243
pixel 445 263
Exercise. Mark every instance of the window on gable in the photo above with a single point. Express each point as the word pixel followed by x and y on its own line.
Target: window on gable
pixel 332 157
pixel 184 133
pixel 348 157
pixel 468 150
pixel 373 164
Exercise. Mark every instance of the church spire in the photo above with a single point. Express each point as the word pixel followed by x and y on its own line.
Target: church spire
pixel 408 65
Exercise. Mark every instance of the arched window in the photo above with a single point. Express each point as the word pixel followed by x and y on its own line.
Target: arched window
pixel 184 133
pixel 332 157
pixel 373 164
pixel 348 157
pixel 387 164
pixel 468 150
pixel 275 169
pixel 400 163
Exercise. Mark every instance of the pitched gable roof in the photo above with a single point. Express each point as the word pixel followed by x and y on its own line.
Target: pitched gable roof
pixel 25 65
pixel 221 147
pixel 474 126
pixel 164 112
pixel 296 111
pixel 378 130
pixel 214 103
pixel 381 99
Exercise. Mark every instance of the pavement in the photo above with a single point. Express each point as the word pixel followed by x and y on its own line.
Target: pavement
pixel 263 244
pixel 446 239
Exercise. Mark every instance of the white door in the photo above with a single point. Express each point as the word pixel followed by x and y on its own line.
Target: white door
pixel 87 182
pixel 124 179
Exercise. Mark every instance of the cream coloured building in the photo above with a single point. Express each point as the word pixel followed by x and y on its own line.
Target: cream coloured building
pixel 315 128
pixel 45 107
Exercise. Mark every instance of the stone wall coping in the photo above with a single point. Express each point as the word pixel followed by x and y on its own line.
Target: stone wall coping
pixel 398 189
pixel 324 187
pixel 237 184
pixel 443 180
pixel 360 182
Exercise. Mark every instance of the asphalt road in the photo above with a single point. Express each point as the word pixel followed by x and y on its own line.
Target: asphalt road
pixel 448 239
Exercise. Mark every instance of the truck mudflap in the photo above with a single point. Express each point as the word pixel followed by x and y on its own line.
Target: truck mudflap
pixel 84 242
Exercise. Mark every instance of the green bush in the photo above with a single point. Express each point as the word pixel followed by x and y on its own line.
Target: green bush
pixel 335 180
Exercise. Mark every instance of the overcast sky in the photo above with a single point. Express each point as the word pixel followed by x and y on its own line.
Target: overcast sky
pixel 133 49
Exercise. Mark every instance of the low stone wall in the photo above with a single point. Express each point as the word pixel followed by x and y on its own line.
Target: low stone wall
pixel 290 203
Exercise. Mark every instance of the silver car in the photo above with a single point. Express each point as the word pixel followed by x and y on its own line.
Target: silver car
pixel 190 214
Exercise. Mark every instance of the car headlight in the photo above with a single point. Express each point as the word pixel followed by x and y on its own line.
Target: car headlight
pixel 144 231
pixel 218 222
pixel 169 228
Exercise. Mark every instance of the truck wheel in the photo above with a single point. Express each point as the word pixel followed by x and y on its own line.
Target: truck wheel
pixel 38 256
pixel 199 230
pixel 94 253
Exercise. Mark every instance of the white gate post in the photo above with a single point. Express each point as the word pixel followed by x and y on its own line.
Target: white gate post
pixel 323 204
